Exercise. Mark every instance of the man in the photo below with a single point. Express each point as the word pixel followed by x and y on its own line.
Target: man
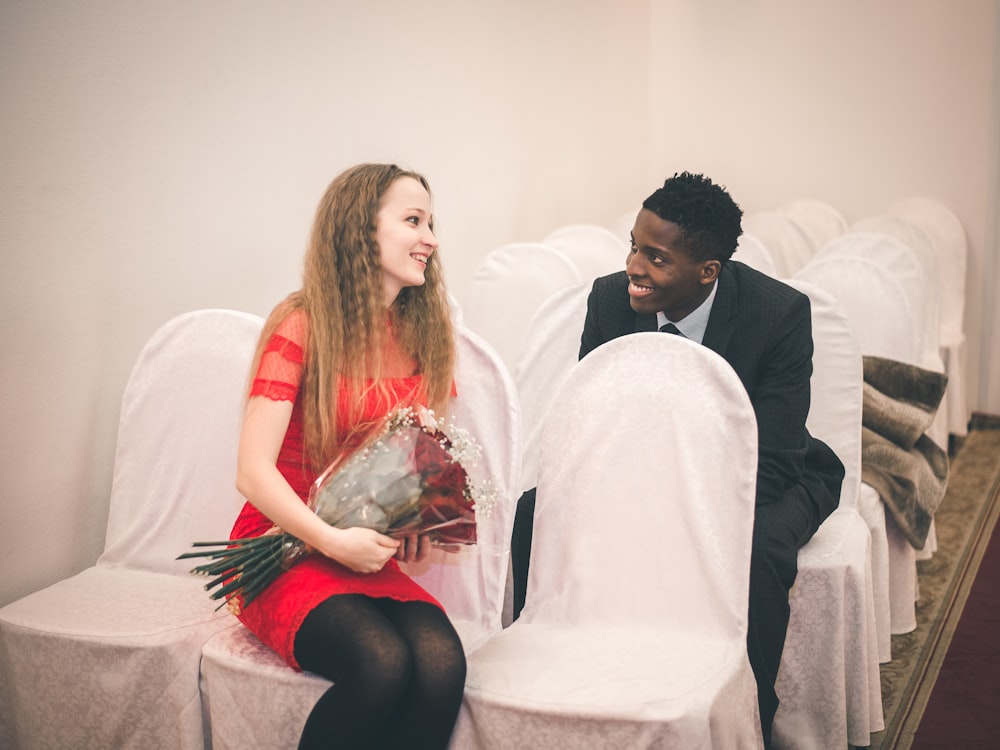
pixel 679 278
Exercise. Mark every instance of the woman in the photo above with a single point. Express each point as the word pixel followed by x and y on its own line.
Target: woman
pixel 369 330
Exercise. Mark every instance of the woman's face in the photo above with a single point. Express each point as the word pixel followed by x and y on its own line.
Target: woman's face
pixel 404 231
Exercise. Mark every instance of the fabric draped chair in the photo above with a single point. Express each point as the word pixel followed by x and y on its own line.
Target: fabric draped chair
pixel 878 308
pixel 751 251
pixel 820 220
pixel 551 349
pixel 254 699
pixel 633 633
pixel 621 226
pixel 909 257
pixel 508 287
pixel 947 236
pixel 109 657
pixel 786 241
pixel 593 249
pixel 831 696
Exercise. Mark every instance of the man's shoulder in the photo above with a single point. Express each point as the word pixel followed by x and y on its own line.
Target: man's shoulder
pixel 613 282
pixel 756 288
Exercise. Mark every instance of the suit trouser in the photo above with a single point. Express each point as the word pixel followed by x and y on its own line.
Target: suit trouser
pixel 780 529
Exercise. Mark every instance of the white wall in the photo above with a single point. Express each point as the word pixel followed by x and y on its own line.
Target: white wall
pixel 160 157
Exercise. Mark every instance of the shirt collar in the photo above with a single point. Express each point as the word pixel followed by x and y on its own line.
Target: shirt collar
pixel 694 324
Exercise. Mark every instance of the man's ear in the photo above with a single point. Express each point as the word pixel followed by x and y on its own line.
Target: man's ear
pixel 710 271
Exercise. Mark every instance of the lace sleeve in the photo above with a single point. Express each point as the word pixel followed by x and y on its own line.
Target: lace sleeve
pixel 281 362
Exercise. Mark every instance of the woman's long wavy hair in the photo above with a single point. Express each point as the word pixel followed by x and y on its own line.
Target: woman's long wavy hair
pixel 343 296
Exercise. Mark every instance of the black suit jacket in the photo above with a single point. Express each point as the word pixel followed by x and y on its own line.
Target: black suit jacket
pixel 763 328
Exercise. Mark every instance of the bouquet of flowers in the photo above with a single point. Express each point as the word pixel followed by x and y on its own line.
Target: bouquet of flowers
pixel 410 477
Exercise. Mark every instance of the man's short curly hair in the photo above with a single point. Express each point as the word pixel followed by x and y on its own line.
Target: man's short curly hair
pixel 708 217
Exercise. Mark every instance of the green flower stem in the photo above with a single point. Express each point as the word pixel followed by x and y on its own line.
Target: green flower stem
pixel 241 566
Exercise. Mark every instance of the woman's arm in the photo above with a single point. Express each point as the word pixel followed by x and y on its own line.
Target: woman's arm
pixel 260 482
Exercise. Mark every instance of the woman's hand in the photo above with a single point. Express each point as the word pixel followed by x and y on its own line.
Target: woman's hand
pixel 413 548
pixel 361 550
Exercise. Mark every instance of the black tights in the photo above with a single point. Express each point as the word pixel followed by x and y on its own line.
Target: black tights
pixel 398 673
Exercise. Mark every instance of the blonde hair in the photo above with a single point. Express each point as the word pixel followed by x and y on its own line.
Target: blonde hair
pixel 343 296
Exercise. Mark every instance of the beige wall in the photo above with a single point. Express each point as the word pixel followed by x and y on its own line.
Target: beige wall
pixel 160 157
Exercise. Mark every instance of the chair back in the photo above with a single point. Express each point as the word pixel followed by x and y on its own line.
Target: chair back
pixel 621 226
pixel 820 220
pixel 912 264
pixel 594 250
pixel 947 236
pixel 174 478
pixel 788 244
pixel 508 287
pixel 470 583
pixel 751 251
pixel 551 349
pixel 646 489
pixel 836 386
pixel 874 302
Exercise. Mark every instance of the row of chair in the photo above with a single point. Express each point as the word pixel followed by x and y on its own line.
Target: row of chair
pixel 135 626
pixel 132 653
pixel 781 242
pixel 829 696
pixel 892 281
pixel 540 349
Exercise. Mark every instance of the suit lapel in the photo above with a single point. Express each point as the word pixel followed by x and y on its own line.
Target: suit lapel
pixel 724 310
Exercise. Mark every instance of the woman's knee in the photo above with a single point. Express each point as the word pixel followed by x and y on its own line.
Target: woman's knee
pixel 439 664
pixel 383 668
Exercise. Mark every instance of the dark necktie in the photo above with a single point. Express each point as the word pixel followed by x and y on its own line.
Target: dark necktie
pixel 671 328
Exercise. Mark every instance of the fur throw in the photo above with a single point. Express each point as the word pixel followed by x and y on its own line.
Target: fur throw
pixel 909 471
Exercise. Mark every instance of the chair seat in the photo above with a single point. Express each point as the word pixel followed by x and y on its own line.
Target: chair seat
pixel 605 671
pixel 79 606
pixel 239 676
pixel 606 687
pixel 120 627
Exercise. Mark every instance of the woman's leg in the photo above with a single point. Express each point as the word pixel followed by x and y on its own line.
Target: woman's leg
pixel 349 640
pixel 426 715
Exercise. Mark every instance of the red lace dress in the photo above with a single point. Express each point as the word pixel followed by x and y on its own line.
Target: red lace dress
pixel 277 613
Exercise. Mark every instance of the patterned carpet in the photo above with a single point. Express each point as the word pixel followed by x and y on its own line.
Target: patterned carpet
pixel 964 523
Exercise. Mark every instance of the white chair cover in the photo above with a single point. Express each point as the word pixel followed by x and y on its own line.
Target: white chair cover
pixel 878 309
pixel 832 695
pixel 621 227
pixel 551 349
pixel 948 239
pixel 254 699
pixel 751 251
pixel 916 240
pixel 875 303
pixel 820 220
pixel 594 250
pixel 634 629
pixel 508 287
pixel 788 244
pixel 915 267
pixel 109 657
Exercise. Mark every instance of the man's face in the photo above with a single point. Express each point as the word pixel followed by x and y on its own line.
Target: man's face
pixel 662 277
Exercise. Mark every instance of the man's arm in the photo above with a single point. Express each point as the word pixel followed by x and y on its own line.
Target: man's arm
pixel 780 399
